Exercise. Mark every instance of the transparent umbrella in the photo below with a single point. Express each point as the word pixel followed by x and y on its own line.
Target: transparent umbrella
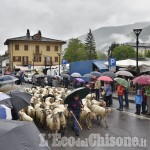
pixel 7 79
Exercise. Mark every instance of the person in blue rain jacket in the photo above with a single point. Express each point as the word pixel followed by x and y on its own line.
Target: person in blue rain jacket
pixel 138 101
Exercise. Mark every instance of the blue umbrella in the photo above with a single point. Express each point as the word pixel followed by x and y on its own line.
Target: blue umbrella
pixel 7 79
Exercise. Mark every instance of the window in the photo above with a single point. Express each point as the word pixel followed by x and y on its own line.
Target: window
pixel 37 59
pixel 17 58
pixel 37 49
pixel 17 47
pixel 56 59
pixel 26 47
pixel 48 60
pixel 25 60
pixel 48 48
pixel 56 48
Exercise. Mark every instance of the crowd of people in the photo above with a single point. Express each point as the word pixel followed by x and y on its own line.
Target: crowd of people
pixel 105 90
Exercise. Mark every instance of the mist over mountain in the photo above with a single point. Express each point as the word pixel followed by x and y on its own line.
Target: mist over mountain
pixel 104 36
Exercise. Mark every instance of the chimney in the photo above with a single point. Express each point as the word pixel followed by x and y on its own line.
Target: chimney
pixel 28 33
pixel 39 33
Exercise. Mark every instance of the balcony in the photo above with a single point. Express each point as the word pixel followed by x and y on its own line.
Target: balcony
pixel 37 52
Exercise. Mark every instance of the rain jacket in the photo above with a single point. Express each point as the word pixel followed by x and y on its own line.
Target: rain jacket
pixel 120 90
pixel 138 99
pixel 75 106
pixel 108 89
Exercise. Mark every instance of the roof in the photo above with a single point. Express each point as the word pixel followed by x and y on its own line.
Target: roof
pixel 100 65
pixel 146 45
pixel 26 38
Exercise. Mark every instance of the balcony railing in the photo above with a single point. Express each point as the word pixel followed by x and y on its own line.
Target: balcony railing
pixel 37 52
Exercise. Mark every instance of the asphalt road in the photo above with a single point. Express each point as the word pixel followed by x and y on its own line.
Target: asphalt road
pixel 120 125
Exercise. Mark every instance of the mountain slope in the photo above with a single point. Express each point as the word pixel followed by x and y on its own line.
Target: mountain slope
pixel 104 36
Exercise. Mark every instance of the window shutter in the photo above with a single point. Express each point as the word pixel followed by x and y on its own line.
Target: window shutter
pixel 14 58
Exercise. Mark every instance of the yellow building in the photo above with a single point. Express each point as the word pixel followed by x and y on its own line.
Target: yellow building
pixel 34 50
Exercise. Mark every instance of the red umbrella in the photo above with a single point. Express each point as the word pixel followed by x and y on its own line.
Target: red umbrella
pixel 143 80
pixel 105 78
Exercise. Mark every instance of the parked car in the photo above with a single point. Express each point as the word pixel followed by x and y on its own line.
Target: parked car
pixel 28 78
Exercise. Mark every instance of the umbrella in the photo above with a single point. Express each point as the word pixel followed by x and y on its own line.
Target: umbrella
pixel 5 112
pixel 5 100
pixel 20 100
pixel 96 74
pixel 20 135
pixel 124 73
pixel 87 76
pixel 109 74
pixel 7 79
pixel 8 87
pixel 105 78
pixel 65 76
pixel 122 82
pixel 57 77
pixel 80 80
pixel 143 80
pixel 82 92
pixel 39 76
pixel 49 75
pixel 76 75
pixel 3 96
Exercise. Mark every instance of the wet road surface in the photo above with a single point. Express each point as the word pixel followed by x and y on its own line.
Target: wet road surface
pixel 120 124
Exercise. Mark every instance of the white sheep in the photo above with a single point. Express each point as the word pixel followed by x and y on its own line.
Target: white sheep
pixel 100 112
pixel 24 117
pixel 87 116
pixel 31 112
pixel 53 123
pixel 99 103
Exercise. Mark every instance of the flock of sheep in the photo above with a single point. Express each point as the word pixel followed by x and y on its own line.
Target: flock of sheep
pixel 47 109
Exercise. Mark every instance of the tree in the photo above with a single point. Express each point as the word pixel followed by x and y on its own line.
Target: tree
pixel 147 53
pixel 111 48
pixel 90 46
pixel 101 55
pixel 124 52
pixel 75 51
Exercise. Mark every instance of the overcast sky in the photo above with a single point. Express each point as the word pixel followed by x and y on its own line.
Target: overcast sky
pixel 64 19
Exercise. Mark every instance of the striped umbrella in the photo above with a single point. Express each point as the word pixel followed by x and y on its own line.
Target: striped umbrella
pixel 5 112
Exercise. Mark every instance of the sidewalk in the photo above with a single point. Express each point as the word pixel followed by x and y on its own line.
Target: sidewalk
pixel 130 96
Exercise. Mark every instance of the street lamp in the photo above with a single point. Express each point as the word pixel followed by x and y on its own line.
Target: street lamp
pixel 33 62
pixel 59 61
pixel 137 33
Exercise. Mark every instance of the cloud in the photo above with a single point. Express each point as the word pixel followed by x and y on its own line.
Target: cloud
pixel 64 19
pixel 120 38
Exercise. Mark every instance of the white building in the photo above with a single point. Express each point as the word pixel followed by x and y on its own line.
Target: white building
pixel 142 46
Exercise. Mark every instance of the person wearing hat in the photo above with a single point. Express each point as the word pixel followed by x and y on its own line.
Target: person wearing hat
pixel 74 107
pixel 138 101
